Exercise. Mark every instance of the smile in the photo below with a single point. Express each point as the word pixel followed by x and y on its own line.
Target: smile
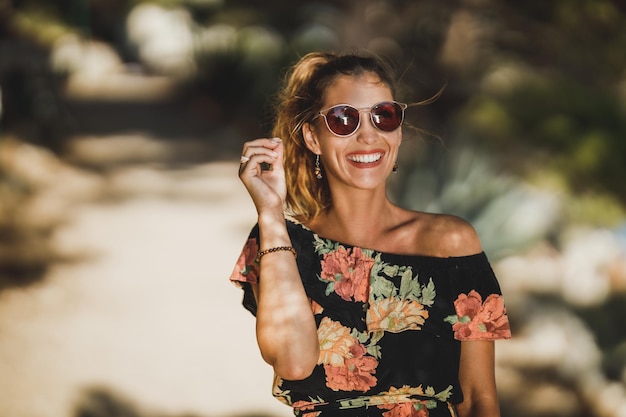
pixel 365 158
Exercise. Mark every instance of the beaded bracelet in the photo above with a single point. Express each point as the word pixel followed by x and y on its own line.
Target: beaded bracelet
pixel 276 249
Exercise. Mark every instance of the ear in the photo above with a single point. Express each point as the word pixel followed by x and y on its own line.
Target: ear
pixel 310 139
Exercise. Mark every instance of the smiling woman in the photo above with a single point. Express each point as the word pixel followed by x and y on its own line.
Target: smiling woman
pixel 363 308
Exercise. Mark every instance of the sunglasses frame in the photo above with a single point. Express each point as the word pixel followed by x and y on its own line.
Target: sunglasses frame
pixel 403 107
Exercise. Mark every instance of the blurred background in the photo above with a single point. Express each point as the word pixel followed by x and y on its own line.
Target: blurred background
pixel 121 215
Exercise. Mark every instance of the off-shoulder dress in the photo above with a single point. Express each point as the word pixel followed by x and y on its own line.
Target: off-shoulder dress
pixel 390 326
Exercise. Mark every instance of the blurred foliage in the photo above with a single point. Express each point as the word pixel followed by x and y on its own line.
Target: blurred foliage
pixel 604 320
pixel 539 86
pixel 554 93
pixel 559 125
pixel 25 251
pixel 510 217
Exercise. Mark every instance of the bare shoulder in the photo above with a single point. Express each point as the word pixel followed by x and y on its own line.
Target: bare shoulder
pixel 449 235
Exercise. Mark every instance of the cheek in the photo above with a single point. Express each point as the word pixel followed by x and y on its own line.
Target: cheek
pixel 395 141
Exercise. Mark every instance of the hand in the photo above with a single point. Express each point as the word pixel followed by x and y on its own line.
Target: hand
pixel 266 186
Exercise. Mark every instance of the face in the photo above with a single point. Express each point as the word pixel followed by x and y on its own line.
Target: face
pixel 365 158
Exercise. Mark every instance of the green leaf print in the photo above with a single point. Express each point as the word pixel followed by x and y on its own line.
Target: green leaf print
pixel 316 400
pixel 445 394
pixel 330 288
pixel 382 288
pixel 354 402
pixel 286 394
pixel 454 319
pixel 378 266
pixel 428 293
pixel 374 350
pixel 430 404
pixel 390 270
pixel 409 288
pixel 322 246
pixel 362 337
pixel 369 340
pixel 376 336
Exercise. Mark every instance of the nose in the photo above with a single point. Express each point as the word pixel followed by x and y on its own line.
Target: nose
pixel 367 132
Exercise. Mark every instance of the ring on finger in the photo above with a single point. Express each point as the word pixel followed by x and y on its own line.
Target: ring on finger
pixel 244 159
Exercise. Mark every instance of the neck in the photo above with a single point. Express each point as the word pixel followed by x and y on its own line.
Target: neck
pixel 358 217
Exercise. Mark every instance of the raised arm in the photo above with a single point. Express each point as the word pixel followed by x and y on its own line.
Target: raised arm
pixel 285 327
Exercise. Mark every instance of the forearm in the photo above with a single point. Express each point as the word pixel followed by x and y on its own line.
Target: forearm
pixel 487 407
pixel 286 330
pixel 477 377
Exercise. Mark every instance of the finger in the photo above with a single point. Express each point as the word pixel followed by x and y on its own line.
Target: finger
pixel 279 149
pixel 271 147
pixel 255 165
pixel 251 153
pixel 254 146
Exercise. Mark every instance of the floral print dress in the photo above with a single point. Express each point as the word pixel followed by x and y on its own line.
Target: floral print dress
pixel 390 326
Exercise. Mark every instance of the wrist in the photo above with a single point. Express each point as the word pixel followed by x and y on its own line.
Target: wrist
pixel 273 230
pixel 271 219
pixel 276 249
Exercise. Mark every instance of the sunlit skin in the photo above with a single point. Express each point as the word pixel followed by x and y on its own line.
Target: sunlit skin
pixel 285 326
pixel 362 215
pixel 338 154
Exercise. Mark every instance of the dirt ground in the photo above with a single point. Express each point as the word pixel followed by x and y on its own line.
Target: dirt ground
pixel 147 323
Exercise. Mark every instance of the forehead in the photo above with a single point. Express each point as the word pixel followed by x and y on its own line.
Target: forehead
pixel 362 90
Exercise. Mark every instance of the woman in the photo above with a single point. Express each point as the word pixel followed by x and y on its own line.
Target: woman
pixel 363 308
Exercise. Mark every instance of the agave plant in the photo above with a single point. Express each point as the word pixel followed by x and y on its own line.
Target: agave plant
pixel 508 214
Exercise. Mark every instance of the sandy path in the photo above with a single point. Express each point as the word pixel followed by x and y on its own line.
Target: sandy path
pixel 149 316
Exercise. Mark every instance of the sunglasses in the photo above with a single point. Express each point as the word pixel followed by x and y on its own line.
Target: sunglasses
pixel 343 120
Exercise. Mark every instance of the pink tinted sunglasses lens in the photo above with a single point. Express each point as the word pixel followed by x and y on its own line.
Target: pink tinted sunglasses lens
pixel 343 120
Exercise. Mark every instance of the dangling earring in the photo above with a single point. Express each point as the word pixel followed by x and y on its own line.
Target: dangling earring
pixel 318 169
pixel 395 168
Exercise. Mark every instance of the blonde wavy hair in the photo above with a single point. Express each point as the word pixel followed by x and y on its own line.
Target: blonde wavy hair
pixel 299 102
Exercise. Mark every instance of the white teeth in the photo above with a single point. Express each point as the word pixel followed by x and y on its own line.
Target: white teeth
pixel 365 158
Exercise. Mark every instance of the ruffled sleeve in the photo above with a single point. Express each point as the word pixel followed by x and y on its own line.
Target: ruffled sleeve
pixel 246 270
pixel 479 310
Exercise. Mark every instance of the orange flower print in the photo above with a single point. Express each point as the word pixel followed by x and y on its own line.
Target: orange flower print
pixel 316 307
pixel 468 305
pixel 345 360
pixel 396 395
pixel 349 269
pixel 400 401
pixel 246 269
pixel 410 409
pixel 395 315
pixel 307 405
pixel 475 320
pixel 303 405
pixel 357 374
pixel 335 342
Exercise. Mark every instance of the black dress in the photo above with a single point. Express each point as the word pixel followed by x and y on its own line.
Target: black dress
pixel 390 326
